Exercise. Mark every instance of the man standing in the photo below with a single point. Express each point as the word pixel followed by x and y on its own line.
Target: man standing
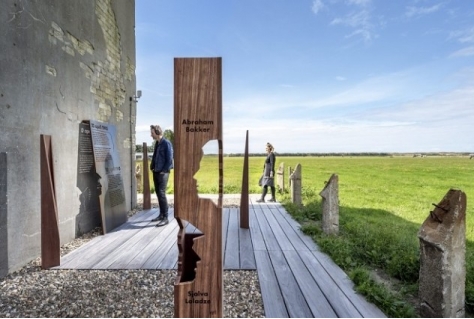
pixel 161 164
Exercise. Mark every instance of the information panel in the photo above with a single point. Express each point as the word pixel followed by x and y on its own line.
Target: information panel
pixel 107 163
pixel 88 182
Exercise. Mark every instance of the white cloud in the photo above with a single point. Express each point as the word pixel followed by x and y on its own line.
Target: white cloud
pixel 420 11
pixel 463 36
pixel 360 21
pixel 354 19
pixel 317 6
pixel 442 121
pixel 469 51
pixel 360 2
pixel 448 109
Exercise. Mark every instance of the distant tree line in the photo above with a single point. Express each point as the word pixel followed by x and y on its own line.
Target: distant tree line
pixel 168 134
pixel 353 154
pixel 301 154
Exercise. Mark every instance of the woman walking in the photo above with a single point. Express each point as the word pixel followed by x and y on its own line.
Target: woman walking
pixel 268 173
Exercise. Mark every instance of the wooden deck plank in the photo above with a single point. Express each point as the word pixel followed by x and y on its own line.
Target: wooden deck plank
pixel 269 238
pixel 231 259
pixel 126 251
pixel 255 233
pixel 98 250
pixel 318 303
pixel 297 228
pixel 278 232
pixel 154 245
pixel 170 260
pixel 273 303
pixel 294 299
pixel 159 255
pixel 71 259
pixel 338 299
pixel 77 255
pixel 340 278
pixel 247 257
pixel 225 225
pixel 294 236
pixel 137 246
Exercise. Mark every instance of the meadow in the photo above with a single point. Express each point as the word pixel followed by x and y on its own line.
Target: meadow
pixel 383 202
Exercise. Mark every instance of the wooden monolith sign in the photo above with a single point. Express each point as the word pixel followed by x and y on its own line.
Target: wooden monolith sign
pixel 197 120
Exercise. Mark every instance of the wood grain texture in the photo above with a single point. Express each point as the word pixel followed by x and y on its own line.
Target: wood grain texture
pixel 50 244
pixel 246 256
pixel 271 293
pixel 197 120
pixel 231 258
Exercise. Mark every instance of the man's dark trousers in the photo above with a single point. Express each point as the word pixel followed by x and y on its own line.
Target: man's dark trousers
pixel 161 182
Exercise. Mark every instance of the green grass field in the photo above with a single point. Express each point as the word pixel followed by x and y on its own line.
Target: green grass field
pixel 383 202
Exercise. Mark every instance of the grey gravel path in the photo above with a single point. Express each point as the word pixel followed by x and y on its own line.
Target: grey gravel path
pixel 32 292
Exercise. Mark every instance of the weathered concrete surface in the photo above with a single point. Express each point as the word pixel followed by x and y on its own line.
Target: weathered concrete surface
pixel 330 195
pixel 3 215
pixel 442 258
pixel 62 61
pixel 295 185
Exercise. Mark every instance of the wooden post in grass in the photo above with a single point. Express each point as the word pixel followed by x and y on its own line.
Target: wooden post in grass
pixel 197 120
pixel 295 186
pixel 50 246
pixel 146 179
pixel 330 195
pixel 244 196
pixel 281 178
pixel 442 258
pixel 290 171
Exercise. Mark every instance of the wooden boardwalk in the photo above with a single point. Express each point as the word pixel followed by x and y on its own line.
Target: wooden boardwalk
pixel 296 279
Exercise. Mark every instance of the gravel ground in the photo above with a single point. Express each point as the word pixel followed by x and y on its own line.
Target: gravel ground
pixel 32 292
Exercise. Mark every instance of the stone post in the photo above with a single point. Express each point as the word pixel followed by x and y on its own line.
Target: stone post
pixel 295 187
pixel 330 195
pixel 281 178
pixel 442 258
pixel 138 176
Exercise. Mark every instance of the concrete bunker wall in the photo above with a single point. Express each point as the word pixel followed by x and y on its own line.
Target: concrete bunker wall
pixel 62 62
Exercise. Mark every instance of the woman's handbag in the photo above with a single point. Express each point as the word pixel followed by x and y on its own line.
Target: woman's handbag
pixel 260 181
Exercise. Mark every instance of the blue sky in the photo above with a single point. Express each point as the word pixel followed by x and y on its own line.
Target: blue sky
pixel 319 75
